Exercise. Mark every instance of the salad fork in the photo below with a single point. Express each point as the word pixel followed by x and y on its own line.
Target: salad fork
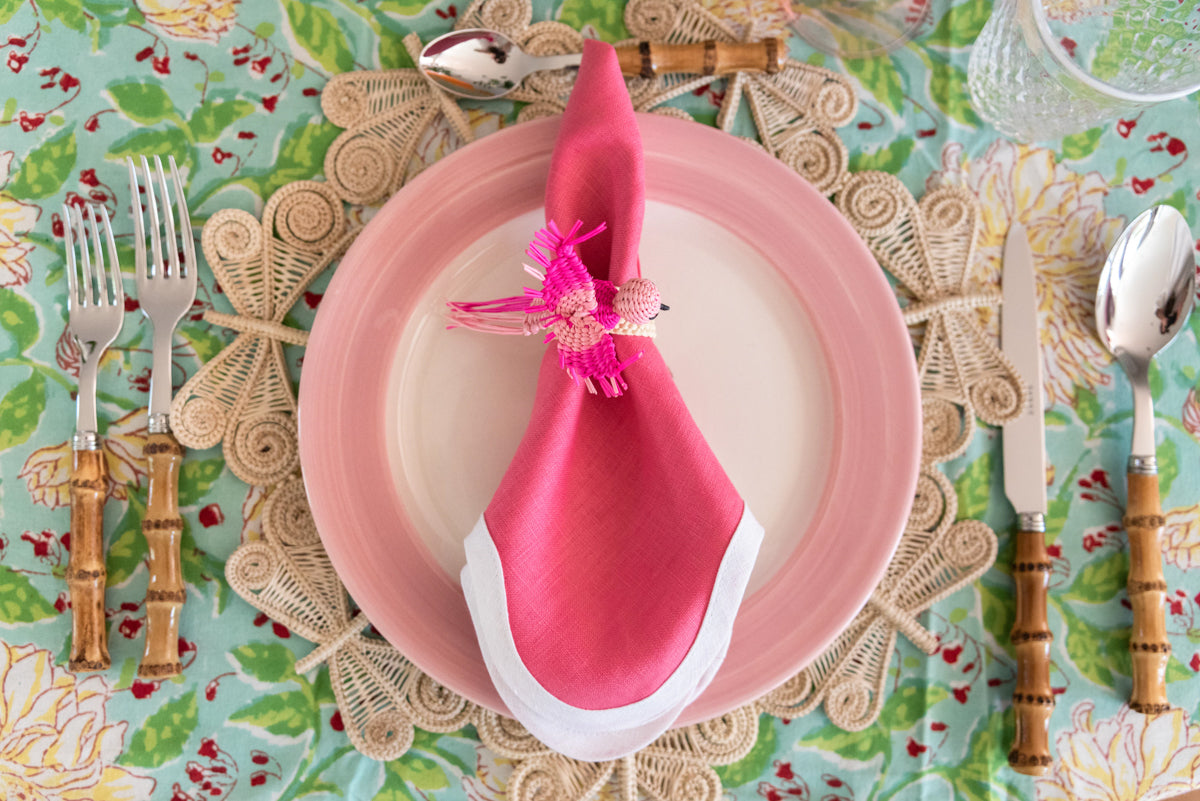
pixel 166 289
pixel 95 309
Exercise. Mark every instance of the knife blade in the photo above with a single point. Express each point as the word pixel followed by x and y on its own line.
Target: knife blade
pixel 1024 449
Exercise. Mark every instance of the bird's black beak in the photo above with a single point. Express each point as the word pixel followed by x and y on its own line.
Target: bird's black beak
pixel 664 307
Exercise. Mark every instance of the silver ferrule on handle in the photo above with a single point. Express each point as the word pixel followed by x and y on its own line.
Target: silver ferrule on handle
pixel 85 441
pixel 1143 465
pixel 159 423
pixel 1031 521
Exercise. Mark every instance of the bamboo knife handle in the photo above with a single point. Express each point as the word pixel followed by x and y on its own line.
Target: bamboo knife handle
pixel 702 58
pixel 1033 701
pixel 1151 650
pixel 163 528
pixel 86 574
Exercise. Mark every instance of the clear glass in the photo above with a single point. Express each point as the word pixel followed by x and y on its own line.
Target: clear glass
pixel 858 28
pixel 1042 69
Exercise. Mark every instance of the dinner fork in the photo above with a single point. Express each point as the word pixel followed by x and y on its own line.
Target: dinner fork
pixel 95 309
pixel 166 289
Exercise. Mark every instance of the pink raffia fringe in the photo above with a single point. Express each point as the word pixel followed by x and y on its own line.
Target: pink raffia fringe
pixel 577 311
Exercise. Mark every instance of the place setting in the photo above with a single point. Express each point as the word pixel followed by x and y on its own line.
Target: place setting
pixel 648 437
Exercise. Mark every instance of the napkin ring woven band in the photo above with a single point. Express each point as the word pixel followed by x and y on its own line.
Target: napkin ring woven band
pixel 579 313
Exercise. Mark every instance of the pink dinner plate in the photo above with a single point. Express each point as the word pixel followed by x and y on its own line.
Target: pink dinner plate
pixel 783 335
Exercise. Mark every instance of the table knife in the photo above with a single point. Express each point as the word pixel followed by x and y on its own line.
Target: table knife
pixel 1024 441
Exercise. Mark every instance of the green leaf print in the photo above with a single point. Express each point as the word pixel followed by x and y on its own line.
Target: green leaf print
pixel 755 763
pixel 606 17
pixel 21 411
pixel 196 478
pixel 393 55
pixel 887 159
pixel 1101 580
pixel 203 341
pixel 1081 145
pixel 959 26
pixel 999 612
pixel 1087 408
pixel 300 158
pixel 948 88
pixel 268 662
pixel 419 771
pixel 318 32
pixel 127 548
pixel 43 171
pixel 19 601
pixel 171 142
pixel 144 102
pixel 862 746
pixel 403 8
pixel 908 704
pixel 288 713
pixel 68 12
pixel 1095 652
pixel 879 77
pixel 18 319
pixel 9 8
pixel 164 734
pixel 973 488
pixel 215 116
pixel 1168 466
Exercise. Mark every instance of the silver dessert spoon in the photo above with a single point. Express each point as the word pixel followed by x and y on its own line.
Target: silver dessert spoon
pixel 1147 290
pixel 484 64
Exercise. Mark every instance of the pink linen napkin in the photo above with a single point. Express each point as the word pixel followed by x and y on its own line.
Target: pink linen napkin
pixel 604 576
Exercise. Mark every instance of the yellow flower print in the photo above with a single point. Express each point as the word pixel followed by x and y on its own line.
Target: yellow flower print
pixel 1128 757
pixel 16 219
pixel 1181 537
pixel 47 471
pixel 55 741
pixel 1063 212
pixel 191 19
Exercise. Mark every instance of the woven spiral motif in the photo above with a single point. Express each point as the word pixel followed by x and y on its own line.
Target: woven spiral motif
pixel 945 430
pixel 287 517
pixel 931 501
pixel 389 732
pixel 233 234
pixel 506 736
pixel 362 168
pixel 836 103
pixel 652 19
pixel 264 448
pixel 309 215
pixel 435 702
pixel 874 202
pixel 848 704
pixel 949 209
pixel 199 423
pixel 996 399
pixel 252 566
pixel 970 541
pixel 506 15
pixel 694 782
pixel 820 158
pixel 344 103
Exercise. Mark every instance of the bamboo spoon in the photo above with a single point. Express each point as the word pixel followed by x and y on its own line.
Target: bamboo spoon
pixel 1146 292
pixel 483 64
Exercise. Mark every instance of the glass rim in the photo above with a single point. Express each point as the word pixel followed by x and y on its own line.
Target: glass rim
pixel 1083 76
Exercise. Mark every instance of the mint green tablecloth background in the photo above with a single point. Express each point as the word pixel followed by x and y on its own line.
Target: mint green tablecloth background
pixel 233 92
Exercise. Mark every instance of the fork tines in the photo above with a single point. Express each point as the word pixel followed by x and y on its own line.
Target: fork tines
pixel 74 227
pixel 143 181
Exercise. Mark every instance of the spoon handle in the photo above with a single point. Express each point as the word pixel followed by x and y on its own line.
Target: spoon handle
pixel 1147 594
pixel 702 58
pixel 1033 700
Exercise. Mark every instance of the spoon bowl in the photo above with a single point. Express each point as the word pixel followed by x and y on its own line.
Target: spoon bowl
pixel 1146 292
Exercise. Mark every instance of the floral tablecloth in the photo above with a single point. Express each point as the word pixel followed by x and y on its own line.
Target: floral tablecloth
pixel 232 90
